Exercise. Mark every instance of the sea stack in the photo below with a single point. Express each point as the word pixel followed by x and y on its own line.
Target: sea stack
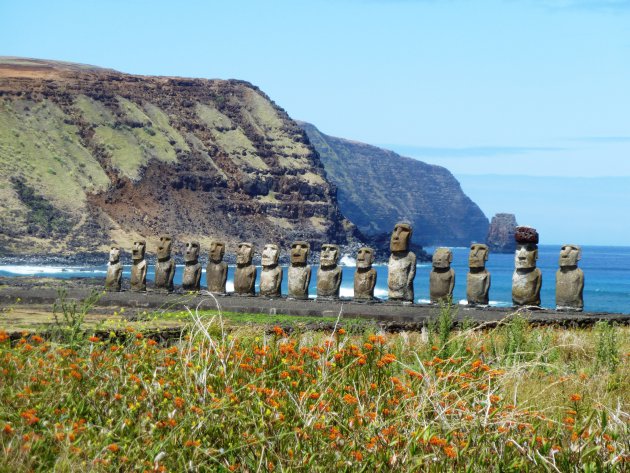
pixel 501 233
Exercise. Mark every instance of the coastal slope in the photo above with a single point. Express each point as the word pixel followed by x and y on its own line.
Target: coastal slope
pixel 378 187
pixel 91 156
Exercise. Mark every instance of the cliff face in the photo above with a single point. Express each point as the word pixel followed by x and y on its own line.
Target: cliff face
pixel 378 187
pixel 91 156
pixel 501 233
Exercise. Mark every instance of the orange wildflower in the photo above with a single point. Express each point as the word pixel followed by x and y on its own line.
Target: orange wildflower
pixel 113 448
pixel 576 397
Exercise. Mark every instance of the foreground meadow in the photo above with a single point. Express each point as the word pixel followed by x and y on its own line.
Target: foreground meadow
pixel 513 398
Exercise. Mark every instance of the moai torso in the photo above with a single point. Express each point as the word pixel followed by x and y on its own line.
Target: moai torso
pixel 192 268
pixel 299 271
pixel 442 277
pixel 570 280
pixel 478 278
pixel 165 265
pixel 245 274
pixel 329 273
pixel 113 279
pixel 139 267
pixel 271 274
pixel 217 269
pixel 527 278
pixel 402 265
pixel 365 275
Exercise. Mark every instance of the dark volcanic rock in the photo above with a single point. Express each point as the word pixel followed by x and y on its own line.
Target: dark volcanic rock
pixel 378 188
pixel 501 233
pixel 90 156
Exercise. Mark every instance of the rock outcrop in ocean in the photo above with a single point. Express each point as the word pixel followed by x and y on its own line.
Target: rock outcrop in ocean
pixel 500 237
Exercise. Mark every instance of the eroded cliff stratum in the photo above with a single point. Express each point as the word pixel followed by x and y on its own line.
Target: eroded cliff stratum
pixel 91 156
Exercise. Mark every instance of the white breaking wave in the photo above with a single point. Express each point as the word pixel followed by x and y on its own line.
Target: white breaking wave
pixel 34 270
pixel 424 301
pixel 346 292
pixel 347 260
pixel 229 286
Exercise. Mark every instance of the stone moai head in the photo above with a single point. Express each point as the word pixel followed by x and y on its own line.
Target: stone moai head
pixel 526 247
pixel 442 258
pixel 114 254
pixel 570 255
pixel 137 252
pixel 164 247
pixel 270 255
pixel 217 251
pixel 365 258
pixel 401 237
pixel 299 252
pixel 192 252
pixel 329 255
pixel 478 256
pixel 245 253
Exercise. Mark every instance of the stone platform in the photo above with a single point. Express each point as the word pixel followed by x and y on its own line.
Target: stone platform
pixel 393 316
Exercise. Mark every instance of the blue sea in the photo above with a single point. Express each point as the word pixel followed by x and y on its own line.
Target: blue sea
pixel 606 270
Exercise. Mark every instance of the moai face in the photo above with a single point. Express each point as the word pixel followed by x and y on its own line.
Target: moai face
pixel 570 255
pixel 526 255
pixel 478 256
pixel 137 252
pixel 442 258
pixel 365 258
pixel 400 237
pixel 114 254
pixel 217 251
pixel 270 255
pixel 526 247
pixel 192 252
pixel 299 252
pixel 329 255
pixel 245 253
pixel 164 247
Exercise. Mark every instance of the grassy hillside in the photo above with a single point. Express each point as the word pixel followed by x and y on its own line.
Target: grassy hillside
pixel 91 156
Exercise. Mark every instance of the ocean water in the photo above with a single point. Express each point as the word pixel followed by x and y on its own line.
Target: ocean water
pixel 606 272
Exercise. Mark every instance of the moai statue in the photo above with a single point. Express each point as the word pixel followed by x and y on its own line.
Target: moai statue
pixel 570 280
pixel 442 276
pixel 271 274
pixel 527 278
pixel 192 270
pixel 245 275
pixel 329 272
pixel 402 265
pixel 113 280
pixel 217 269
pixel 139 266
pixel 478 279
pixel 165 265
pixel 365 275
pixel 299 270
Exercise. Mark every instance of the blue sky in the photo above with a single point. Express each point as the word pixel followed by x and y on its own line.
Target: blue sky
pixel 537 90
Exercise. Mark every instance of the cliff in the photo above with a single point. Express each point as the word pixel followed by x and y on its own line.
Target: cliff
pixel 501 233
pixel 91 156
pixel 378 187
